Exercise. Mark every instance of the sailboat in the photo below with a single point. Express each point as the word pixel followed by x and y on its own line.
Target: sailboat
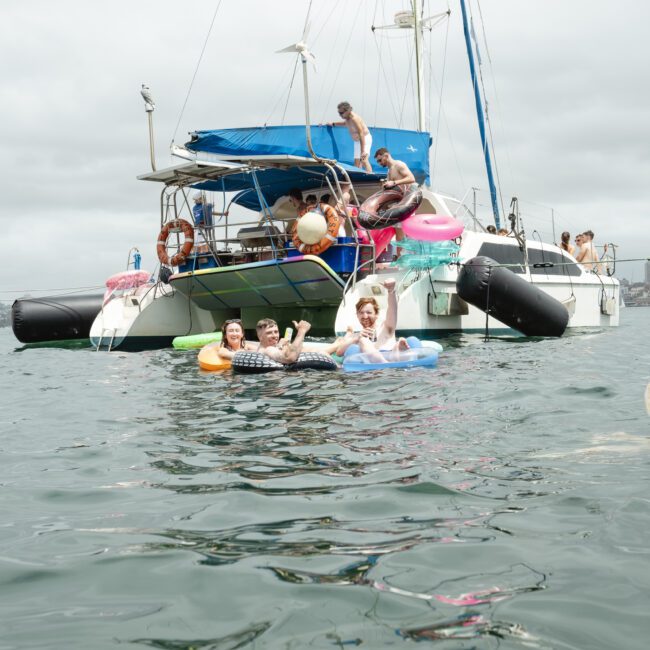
pixel 250 268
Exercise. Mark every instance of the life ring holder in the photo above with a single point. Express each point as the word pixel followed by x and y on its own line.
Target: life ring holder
pixel 161 246
pixel 328 239
pixel 388 207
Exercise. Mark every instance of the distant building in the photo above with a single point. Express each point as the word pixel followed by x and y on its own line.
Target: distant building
pixel 647 272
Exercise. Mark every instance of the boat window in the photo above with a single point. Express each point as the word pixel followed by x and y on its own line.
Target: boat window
pixel 504 254
pixel 536 256
pixel 510 254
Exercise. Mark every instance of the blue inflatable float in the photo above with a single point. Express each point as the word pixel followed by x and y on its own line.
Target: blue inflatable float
pixel 420 354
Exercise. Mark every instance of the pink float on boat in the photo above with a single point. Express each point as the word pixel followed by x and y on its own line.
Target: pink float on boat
pixel 432 227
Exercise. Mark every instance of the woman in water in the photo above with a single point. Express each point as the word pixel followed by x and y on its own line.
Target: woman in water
pixel 233 339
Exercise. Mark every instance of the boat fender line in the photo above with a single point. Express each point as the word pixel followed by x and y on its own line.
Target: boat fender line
pixel 54 318
pixel 502 294
pixel 161 245
pixel 256 362
pixel 388 207
pixel 330 236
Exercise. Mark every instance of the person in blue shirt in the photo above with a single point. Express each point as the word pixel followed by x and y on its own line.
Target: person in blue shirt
pixel 202 213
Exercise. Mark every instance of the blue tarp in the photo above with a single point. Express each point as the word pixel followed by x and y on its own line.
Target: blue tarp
pixel 412 147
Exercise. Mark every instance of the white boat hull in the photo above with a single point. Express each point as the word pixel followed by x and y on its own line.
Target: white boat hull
pixel 148 317
pixel 429 304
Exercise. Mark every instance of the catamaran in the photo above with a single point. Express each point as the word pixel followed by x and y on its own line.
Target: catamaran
pixel 249 268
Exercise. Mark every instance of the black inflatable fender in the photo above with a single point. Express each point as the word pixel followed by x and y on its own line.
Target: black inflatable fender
pixel 511 299
pixel 54 318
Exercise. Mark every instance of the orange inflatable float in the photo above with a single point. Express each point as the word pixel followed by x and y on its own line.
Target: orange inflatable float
pixel 210 359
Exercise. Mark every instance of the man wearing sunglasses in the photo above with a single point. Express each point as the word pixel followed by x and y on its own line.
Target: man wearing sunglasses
pixel 280 350
pixel 359 133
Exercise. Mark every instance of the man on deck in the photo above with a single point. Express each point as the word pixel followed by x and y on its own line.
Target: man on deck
pixel 399 175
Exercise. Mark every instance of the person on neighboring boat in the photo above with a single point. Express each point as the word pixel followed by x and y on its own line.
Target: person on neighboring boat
pixel 399 175
pixel 375 336
pixel 502 232
pixel 587 254
pixel 578 241
pixel 359 133
pixel 492 230
pixel 565 243
pixel 282 351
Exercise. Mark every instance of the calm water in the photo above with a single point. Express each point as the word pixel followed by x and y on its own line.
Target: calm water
pixel 501 500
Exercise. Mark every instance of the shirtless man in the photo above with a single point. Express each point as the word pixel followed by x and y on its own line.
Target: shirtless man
pixel 359 133
pixel 281 351
pixel 399 175
pixel 587 254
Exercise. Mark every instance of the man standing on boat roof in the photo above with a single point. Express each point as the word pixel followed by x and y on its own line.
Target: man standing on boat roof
pixel 359 133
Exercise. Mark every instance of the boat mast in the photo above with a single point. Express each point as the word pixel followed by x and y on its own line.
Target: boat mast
pixel 417 28
pixel 481 118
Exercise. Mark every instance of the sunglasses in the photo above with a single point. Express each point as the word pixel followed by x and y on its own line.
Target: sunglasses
pixel 342 112
pixel 232 320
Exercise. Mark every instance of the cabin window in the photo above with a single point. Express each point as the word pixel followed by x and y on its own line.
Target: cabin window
pixel 504 254
pixel 509 254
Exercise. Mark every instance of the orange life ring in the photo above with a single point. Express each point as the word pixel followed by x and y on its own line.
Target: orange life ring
pixel 332 219
pixel 181 256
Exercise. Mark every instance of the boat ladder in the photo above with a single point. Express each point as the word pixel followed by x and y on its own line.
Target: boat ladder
pixel 105 333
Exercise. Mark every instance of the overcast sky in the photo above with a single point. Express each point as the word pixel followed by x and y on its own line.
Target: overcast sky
pixel 567 83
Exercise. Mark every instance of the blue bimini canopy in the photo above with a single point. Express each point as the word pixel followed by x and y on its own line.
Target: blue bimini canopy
pixel 411 147
pixel 274 183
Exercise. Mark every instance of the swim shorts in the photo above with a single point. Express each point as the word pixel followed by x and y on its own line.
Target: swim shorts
pixel 357 147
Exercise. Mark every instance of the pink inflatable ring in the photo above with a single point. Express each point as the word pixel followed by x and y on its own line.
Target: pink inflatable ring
pixel 432 227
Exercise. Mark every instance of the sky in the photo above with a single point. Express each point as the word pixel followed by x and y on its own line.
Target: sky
pixel 566 82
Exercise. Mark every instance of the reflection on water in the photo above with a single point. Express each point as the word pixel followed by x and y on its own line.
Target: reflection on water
pixel 474 505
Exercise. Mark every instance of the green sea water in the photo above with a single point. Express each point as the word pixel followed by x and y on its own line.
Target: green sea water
pixel 501 500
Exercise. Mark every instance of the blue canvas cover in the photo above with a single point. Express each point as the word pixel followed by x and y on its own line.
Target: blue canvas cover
pixel 412 147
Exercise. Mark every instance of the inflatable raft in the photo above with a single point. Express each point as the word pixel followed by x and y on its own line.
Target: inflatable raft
pixel 416 357
pixel 210 359
pixel 256 363
pixel 194 341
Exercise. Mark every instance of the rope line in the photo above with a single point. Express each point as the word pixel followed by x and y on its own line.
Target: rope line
pixel 196 70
